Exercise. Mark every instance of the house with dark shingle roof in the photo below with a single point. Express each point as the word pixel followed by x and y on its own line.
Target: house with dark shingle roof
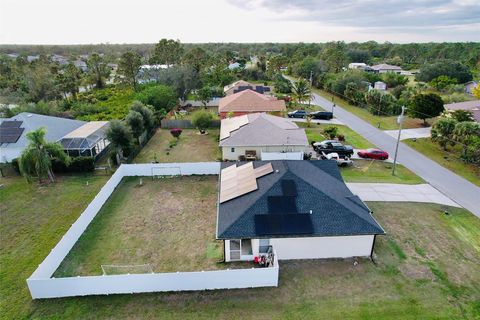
pixel 301 209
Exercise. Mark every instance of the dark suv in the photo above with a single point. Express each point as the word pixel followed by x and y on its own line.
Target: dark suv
pixel 298 114
pixel 329 146
pixel 323 115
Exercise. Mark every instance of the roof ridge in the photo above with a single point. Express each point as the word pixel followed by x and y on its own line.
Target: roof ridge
pixel 340 203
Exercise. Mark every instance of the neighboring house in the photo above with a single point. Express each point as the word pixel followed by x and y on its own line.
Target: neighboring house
pixel 242 85
pixel 250 136
pixel 77 137
pixel 379 85
pixel 357 65
pixel 150 72
pixel 384 68
pixel 301 209
pixel 469 86
pixel 473 106
pixel 249 101
pixel 80 64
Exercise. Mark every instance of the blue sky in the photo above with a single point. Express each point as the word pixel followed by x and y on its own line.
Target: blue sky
pixel 141 21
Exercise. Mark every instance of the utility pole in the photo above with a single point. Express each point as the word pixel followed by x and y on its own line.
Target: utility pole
pixel 311 83
pixel 400 122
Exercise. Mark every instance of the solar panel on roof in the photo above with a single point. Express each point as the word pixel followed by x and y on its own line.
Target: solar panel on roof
pixel 10 134
pixel 289 188
pixel 285 224
pixel 11 124
pixel 281 204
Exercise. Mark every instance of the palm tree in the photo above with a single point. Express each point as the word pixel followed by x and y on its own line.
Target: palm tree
pixel 36 159
pixel 301 91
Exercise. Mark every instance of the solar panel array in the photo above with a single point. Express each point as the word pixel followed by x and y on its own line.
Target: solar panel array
pixel 236 181
pixel 283 217
pixel 10 131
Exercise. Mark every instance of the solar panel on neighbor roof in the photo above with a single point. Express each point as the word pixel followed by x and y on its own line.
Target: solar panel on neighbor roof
pixel 285 224
pixel 10 134
pixel 11 124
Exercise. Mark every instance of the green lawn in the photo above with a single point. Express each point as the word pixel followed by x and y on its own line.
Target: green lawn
pixel 151 224
pixel 315 133
pixel 426 268
pixel 382 122
pixel 191 147
pixel 378 171
pixel 447 159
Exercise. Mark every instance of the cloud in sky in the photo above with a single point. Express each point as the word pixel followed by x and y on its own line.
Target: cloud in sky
pixel 140 21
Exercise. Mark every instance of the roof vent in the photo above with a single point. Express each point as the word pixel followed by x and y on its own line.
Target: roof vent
pixel 311 211
pixel 277 171
pixel 29 115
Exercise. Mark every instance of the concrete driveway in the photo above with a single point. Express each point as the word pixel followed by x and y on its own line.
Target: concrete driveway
pixel 410 133
pixel 333 121
pixel 400 192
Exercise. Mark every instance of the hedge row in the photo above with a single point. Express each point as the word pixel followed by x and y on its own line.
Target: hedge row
pixel 77 165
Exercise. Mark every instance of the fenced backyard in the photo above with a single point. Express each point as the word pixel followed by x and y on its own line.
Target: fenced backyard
pixel 43 283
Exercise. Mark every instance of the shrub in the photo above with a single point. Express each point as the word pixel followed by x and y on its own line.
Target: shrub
pixel 341 137
pixel 15 165
pixel 331 132
pixel 176 132
pixel 202 120
pixel 161 97
pixel 77 165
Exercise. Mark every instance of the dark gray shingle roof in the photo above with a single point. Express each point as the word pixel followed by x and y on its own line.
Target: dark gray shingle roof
pixel 335 209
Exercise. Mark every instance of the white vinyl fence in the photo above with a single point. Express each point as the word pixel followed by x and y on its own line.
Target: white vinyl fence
pixel 42 285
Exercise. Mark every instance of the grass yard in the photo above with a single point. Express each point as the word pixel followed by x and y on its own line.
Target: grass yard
pixel 378 171
pixel 446 159
pixel 33 219
pixel 426 268
pixel 382 122
pixel 190 147
pixel 315 133
pixel 151 224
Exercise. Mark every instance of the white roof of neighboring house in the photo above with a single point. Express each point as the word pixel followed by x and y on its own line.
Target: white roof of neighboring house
pixel 261 129
pixel 384 66
pixel 56 127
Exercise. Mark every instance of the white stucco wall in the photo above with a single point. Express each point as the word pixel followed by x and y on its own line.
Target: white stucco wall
pixel 8 154
pixel 322 247
pixel 240 151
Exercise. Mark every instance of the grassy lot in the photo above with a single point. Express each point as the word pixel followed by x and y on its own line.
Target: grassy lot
pixel 151 224
pixel 33 219
pixel 191 147
pixel 426 267
pixel 446 159
pixel 382 122
pixel 378 171
pixel 315 133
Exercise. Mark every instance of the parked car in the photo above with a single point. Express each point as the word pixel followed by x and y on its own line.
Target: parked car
pixel 329 146
pixel 321 115
pixel 373 154
pixel 341 161
pixel 298 114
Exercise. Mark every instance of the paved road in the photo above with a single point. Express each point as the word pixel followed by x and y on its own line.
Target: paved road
pixel 453 186
pixel 400 192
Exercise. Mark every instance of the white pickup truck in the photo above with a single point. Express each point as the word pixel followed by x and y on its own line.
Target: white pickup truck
pixel 341 162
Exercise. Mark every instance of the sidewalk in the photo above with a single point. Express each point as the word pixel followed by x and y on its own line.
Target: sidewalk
pixel 400 192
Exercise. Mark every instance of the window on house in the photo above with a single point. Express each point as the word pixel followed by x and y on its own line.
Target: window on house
pixel 234 249
pixel 263 245
pixel 232 149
